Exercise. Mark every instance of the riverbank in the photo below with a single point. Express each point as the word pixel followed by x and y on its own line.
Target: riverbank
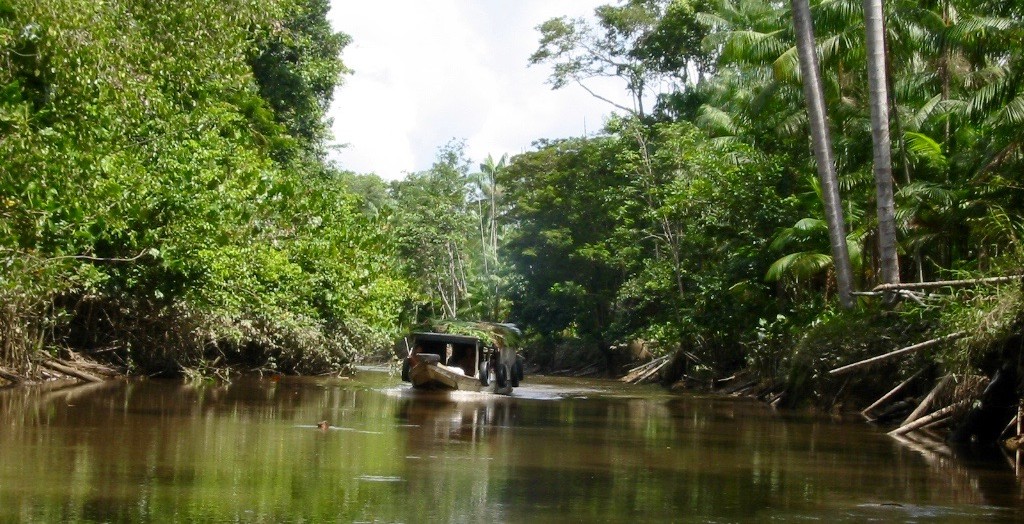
pixel 934 376
pixel 71 366
pixel 943 365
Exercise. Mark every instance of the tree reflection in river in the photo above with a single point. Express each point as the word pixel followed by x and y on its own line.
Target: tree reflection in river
pixel 558 450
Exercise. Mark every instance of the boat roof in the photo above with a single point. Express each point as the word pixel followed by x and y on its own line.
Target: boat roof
pixel 446 337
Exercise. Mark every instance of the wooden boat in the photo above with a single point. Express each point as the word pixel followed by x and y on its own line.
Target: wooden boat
pixel 460 362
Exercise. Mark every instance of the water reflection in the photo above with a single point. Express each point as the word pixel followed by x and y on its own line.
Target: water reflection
pixel 557 450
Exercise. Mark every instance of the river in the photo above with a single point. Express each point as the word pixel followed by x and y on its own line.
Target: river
pixel 558 450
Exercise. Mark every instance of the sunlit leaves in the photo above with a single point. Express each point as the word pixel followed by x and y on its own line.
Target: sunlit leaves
pixel 139 142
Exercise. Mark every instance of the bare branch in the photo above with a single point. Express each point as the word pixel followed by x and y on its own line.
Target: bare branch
pixel 603 99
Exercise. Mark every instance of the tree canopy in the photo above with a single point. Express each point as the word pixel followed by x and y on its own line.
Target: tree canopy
pixel 166 198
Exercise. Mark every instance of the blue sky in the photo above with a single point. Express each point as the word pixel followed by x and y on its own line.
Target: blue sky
pixel 429 71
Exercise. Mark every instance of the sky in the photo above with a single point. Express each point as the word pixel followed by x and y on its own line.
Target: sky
pixel 430 71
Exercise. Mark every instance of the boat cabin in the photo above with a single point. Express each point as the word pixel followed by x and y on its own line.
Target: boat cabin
pixel 445 361
pixel 457 351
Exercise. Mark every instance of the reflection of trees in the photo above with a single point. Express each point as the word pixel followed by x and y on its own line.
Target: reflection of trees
pixel 158 451
pixel 248 451
pixel 730 460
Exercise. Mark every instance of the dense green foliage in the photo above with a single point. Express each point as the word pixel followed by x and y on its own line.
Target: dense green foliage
pixel 654 233
pixel 699 224
pixel 164 194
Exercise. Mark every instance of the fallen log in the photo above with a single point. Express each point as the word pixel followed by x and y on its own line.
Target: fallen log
pixel 937 422
pixel 89 366
pixel 651 372
pixel 97 369
pixel 70 371
pixel 922 408
pixel 632 370
pixel 946 283
pixel 10 377
pixel 892 393
pixel 639 372
pixel 898 352
pixel 912 295
pixel 924 421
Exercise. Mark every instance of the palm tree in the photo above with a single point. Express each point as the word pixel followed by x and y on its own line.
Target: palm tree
pixel 489 193
pixel 822 145
pixel 885 202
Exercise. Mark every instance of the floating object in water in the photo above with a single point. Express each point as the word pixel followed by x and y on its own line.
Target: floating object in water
pixel 324 425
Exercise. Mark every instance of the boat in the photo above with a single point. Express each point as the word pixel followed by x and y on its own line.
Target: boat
pixel 460 362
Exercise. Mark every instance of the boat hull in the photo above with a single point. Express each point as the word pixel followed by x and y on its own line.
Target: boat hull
pixel 432 376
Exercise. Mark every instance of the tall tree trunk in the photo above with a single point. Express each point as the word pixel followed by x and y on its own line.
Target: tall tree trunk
pixel 884 200
pixel 822 145
pixel 483 240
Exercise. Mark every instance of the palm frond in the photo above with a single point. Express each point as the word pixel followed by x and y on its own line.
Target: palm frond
pixel 726 142
pixel 988 95
pixel 972 30
pixel 855 249
pixel 712 20
pixel 839 13
pixel 715 120
pixel 805 264
pixel 924 112
pixel 923 148
pixel 787 66
pixel 1012 114
pixel 808 225
pixel 794 125
pixel 803 230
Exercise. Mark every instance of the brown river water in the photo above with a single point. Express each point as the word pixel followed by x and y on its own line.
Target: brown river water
pixel 557 450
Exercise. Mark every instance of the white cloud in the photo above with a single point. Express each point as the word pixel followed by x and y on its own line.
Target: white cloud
pixel 428 72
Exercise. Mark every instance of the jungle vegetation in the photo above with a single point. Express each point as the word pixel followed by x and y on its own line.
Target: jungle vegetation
pixel 166 198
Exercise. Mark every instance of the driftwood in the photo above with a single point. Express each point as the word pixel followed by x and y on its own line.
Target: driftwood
pixel 10 377
pixel 898 352
pixel 926 420
pixel 70 371
pixel 937 422
pixel 95 368
pixel 912 295
pixel 946 283
pixel 651 372
pixel 732 382
pixel 646 365
pixel 645 371
pixel 892 393
pixel 922 408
